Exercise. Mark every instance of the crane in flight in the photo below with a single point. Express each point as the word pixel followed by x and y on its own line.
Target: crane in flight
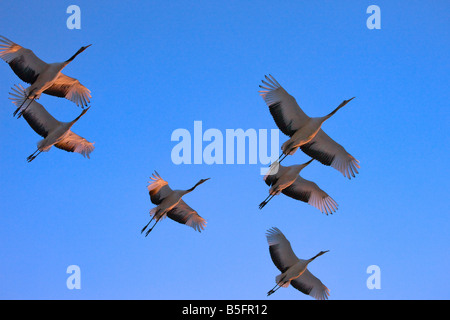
pixel 293 270
pixel 305 132
pixel 287 180
pixel 54 132
pixel 170 204
pixel 43 77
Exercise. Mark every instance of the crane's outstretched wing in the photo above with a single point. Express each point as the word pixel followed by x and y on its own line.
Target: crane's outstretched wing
pixel 71 89
pixel 287 114
pixel 158 188
pixel 184 214
pixel 310 285
pixel 25 64
pixel 72 142
pixel 280 250
pixel 35 114
pixel 307 191
pixel 331 153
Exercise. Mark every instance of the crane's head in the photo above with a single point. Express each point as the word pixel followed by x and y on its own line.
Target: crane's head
pixel 203 180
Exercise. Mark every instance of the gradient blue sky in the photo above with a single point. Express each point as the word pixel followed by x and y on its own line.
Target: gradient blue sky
pixel 156 66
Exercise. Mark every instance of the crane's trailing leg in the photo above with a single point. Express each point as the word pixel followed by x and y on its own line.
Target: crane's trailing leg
pixel 263 204
pixel 281 155
pixel 150 230
pixel 279 161
pixel 17 110
pixel 274 289
pixel 33 155
pixel 147 224
pixel 21 112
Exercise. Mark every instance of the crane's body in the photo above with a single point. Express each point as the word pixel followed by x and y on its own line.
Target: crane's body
pixel 286 177
pixel 167 204
pixel 294 271
pixel 58 133
pixel 54 136
pixel 305 132
pixel 43 77
pixel 170 203
pixel 45 80
pixel 287 180
pixel 303 135
pixel 55 133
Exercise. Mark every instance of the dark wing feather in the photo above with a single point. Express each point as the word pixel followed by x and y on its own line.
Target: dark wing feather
pixel 158 189
pixel 24 72
pixel 310 285
pixel 297 190
pixel 25 64
pixel 330 153
pixel 283 107
pixel 285 124
pixel 35 114
pixel 184 214
pixel 280 250
pixel 309 192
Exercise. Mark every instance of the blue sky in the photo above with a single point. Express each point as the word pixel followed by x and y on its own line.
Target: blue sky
pixel 157 66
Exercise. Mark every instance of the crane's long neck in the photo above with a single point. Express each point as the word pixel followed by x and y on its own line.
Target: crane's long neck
pixel 300 167
pixel 73 57
pixel 336 110
pixel 76 54
pixel 192 189
pixel 317 255
pixel 78 118
pixel 197 184
pixel 328 116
